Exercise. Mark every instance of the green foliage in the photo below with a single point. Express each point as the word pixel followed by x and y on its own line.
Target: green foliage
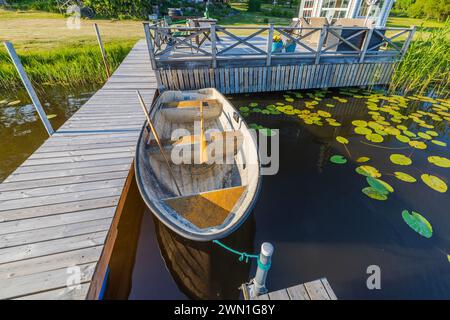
pixel 426 65
pixel 429 9
pixel 43 5
pixel 254 5
pixel 120 8
pixel 65 66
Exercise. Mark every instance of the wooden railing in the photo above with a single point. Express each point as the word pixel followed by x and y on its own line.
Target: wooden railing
pixel 215 43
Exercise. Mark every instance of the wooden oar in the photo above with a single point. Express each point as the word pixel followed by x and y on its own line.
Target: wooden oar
pixel 203 156
pixel 152 128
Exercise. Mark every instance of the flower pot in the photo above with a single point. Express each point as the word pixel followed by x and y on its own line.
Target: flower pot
pixel 277 47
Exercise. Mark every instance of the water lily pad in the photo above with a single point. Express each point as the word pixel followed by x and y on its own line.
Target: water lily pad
pixel 434 182
pixel 439 143
pixel 409 134
pixel 338 159
pixel 51 116
pixel 432 133
pixel 324 114
pixel 342 140
pixel 359 123
pixel 418 144
pixel 362 130
pixel 404 177
pixel 374 193
pixel 289 100
pixel 380 185
pixel 368 171
pixel 362 159
pixel 418 223
pixel 330 105
pixel 253 104
pixel 374 137
pixel 439 161
pixel 392 131
pixel 244 109
pixel 400 159
pixel 425 136
pixel 402 138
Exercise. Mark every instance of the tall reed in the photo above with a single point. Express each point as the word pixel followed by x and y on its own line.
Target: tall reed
pixel 63 66
pixel 426 65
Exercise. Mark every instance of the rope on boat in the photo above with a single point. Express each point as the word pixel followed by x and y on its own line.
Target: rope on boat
pixel 244 256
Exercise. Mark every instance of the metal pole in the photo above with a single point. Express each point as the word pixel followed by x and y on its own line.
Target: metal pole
pixel 27 83
pixel 102 50
pixel 150 46
pixel 258 285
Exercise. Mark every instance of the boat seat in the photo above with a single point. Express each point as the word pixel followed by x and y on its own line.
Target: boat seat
pixel 207 209
pixel 189 110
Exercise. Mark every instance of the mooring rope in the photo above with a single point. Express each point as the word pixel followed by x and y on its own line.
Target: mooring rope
pixel 244 256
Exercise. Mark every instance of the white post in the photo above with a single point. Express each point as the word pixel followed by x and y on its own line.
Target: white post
pixel 27 83
pixel 213 45
pixel 258 284
pixel 269 45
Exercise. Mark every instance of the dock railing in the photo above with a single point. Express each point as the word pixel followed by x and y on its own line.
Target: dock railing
pixel 214 45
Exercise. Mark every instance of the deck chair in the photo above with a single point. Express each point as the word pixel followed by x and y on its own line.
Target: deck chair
pixel 357 41
pixel 317 22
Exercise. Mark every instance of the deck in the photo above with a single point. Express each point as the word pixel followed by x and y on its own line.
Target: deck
pixel 60 208
pixel 241 59
pixel 314 290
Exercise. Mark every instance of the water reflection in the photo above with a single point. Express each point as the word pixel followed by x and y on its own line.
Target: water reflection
pixel 21 130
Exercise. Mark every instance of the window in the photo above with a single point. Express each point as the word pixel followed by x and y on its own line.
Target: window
pixel 334 8
pixel 374 11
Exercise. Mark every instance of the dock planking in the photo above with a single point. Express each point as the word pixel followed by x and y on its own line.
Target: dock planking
pixel 57 209
pixel 314 290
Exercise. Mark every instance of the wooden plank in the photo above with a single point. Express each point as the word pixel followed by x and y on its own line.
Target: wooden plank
pixel 316 290
pixel 327 287
pixel 298 292
pixel 279 295
pixel 72 293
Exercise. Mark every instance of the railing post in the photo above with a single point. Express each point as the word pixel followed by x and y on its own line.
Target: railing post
pixel 366 44
pixel 269 45
pixel 258 284
pixel 213 45
pixel 102 50
pixel 27 83
pixel 408 41
pixel 323 34
pixel 151 48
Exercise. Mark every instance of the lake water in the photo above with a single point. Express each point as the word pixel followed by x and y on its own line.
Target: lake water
pixel 313 211
pixel 21 130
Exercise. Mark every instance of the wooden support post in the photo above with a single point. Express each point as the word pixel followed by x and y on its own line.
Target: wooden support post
pixel 408 41
pixel 213 45
pixel 102 50
pixel 150 46
pixel 258 286
pixel 269 45
pixel 365 45
pixel 27 83
pixel 323 34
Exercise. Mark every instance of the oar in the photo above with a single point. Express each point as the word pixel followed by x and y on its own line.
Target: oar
pixel 152 128
pixel 203 155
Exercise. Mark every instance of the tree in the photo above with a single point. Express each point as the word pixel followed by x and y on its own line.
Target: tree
pixel 436 9
pixel 254 5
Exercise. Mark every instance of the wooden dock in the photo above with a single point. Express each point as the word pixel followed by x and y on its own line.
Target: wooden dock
pixel 314 290
pixel 59 210
pixel 241 60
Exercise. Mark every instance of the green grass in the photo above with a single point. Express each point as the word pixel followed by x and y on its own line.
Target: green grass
pixel 426 65
pixel 72 66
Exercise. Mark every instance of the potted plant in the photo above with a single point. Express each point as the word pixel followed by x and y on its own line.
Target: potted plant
pixel 277 44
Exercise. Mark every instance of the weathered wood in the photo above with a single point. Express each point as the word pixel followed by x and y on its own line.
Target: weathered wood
pixel 315 290
pixel 61 207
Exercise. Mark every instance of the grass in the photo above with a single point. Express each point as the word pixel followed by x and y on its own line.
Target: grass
pixel 71 66
pixel 54 54
pixel 426 65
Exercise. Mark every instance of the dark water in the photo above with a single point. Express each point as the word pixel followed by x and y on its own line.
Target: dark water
pixel 314 213
pixel 21 130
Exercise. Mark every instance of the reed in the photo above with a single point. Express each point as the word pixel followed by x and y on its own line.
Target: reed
pixel 425 68
pixel 67 66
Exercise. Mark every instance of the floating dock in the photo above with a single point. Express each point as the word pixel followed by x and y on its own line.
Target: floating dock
pixel 314 290
pixel 60 209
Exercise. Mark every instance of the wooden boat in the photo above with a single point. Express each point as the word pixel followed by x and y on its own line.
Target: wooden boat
pixel 207 195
